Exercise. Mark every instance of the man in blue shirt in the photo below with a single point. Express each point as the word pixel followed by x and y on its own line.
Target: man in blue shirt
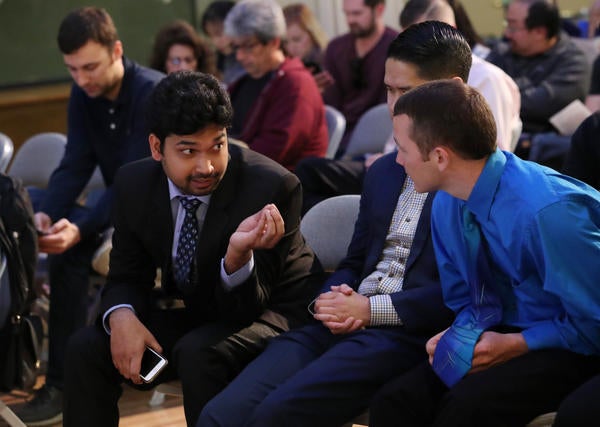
pixel 106 129
pixel 525 289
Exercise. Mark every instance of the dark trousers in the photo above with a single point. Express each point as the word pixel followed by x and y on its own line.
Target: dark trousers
pixel 510 394
pixel 69 279
pixel 204 357
pixel 581 408
pixel 323 178
pixel 310 377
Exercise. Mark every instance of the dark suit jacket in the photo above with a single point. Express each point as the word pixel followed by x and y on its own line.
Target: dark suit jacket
pixel 143 238
pixel 419 304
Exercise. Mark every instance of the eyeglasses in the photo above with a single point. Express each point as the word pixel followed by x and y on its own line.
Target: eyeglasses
pixel 176 60
pixel 245 47
pixel 356 72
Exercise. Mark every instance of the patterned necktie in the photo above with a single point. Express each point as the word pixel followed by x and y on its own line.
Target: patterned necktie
pixel 188 239
pixel 454 351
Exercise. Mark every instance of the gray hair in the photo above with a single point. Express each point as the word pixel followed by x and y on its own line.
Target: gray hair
pixel 261 18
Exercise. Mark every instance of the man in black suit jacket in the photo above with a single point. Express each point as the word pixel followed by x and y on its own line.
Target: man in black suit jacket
pixel 250 279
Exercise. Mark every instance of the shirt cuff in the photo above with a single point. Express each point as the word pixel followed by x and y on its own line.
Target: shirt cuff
pixel 230 281
pixel 110 310
pixel 383 312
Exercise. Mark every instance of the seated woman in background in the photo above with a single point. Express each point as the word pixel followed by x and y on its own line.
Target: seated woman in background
pixel 305 37
pixel 178 46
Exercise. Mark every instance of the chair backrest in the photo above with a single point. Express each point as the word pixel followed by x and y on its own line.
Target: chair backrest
pixel 371 132
pixel 328 227
pixel 6 151
pixel 37 158
pixel 336 125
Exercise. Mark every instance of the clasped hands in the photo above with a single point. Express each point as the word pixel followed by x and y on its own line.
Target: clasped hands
pixel 57 237
pixel 492 348
pixel 342 310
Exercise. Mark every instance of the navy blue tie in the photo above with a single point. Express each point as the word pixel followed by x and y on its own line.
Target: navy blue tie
pixel 188 240
pixel 454 351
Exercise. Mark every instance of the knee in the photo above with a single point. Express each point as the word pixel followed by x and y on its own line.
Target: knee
pixel 271 412
pixel 190 356
pixel 84 345
pixel 462 403
pixel 87 353
pixel 214 414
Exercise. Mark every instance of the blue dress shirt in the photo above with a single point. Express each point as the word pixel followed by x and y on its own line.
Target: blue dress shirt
pixel 543 233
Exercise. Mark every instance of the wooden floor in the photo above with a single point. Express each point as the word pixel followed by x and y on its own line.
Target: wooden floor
pixel 134 408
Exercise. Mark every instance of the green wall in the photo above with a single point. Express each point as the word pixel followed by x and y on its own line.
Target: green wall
pixel 28 28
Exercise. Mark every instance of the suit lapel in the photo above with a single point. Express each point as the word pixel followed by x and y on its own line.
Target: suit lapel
pixel 216 220
pixel 385 204
pixel 160 220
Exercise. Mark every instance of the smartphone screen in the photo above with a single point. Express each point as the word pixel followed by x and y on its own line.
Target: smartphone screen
pixel 152 364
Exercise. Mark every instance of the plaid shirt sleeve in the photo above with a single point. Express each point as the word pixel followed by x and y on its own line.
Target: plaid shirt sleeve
pixel 383 312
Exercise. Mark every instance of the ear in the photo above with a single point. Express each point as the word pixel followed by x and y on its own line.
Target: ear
pixel 155 147
pixel 457 79
pixel 379 9
pixel 275 43
pixel 117 52
pixel 440 156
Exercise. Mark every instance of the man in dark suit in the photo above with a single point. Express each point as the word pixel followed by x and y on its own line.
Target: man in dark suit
pixel 377 310
pixel 249 278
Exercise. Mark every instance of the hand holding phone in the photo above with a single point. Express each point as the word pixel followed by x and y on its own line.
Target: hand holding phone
pixel 152 364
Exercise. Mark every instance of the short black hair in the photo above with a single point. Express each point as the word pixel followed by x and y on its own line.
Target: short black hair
pixel 216 12
pixel 373 3
pixel 412 11
pixel 186 102
pixel 544 14
pixel 83 25
pixel 438 50
pixel 451 113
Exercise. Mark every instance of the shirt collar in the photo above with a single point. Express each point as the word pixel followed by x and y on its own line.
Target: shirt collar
pixel 175 192
pixel 481 198
pixel 125 91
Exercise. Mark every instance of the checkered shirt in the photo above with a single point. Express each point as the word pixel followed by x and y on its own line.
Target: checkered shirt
pixel 388 276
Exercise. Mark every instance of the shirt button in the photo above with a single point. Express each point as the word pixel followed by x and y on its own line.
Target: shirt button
pixel 407 219
pixel 379 278
pixel 113 126
pixel 111 111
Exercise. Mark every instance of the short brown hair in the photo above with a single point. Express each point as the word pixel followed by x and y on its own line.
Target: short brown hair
pixel 86 24
pixel 449 113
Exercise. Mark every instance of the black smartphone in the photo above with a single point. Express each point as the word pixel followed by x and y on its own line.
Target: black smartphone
pixel 152 364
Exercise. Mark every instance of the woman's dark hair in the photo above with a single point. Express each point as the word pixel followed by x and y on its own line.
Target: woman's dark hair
pixel 180 32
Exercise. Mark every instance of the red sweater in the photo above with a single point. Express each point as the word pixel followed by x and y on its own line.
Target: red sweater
pixel 287 120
